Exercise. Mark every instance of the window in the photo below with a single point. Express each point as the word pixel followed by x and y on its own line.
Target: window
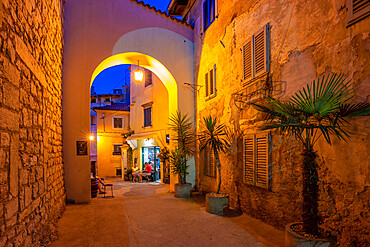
pixel 93 100
pixel 117 123
pixel 148 78
pixel 357 10
pixel 256 159
pixel 117 91
pixel 256 55
pixel 107 99
pixel 209 13
pixel 93 119
pixel 210 83
pixel 117 149
pixel 209 163
pixel 148 116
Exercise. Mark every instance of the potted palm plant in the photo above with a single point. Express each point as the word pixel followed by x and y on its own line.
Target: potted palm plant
pixel 213 137
pixel 182 128
pixel 317 110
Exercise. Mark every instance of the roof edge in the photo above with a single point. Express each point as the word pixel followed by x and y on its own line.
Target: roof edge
pixel 152 8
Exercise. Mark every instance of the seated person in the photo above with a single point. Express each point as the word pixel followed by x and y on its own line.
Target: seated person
pixel 137 173
pixel 147 170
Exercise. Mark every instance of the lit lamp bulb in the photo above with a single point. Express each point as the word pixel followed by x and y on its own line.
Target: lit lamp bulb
pixel 138 75
pixel 91 138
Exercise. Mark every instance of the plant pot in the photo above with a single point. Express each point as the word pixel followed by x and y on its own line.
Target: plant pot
pixel 217 203
pixel 293 239
pixel 182 190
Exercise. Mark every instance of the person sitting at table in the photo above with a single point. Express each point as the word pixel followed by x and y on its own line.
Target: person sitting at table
pixel 137 174
pixel 147 170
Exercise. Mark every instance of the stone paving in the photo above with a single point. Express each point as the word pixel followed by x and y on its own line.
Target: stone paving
pixel 146 214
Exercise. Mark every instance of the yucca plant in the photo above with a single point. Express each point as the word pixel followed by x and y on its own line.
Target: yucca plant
pixel 213 136
pixel 182 127
pixel 317 110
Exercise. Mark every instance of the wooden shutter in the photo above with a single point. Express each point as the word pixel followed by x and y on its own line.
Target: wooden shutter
pixel 262 160
pixel 357 10
pixel 261 52
pixel 206 85
pixel 211 82
pixel 248 60
pixel 249 157
pixel 209 163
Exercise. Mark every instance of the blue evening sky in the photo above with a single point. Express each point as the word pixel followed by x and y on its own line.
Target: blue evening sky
pixel 114 77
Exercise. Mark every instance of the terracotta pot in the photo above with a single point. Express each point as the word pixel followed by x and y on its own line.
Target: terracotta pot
pixel 182 190
pixel 217 203
pixel 293 239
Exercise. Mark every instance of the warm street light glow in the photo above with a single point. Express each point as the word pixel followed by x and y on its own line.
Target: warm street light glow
pixel 91 138
pixel 138 75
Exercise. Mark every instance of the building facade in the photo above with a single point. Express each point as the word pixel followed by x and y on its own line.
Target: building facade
pixel 242 49
pixel 113 125
pixel 149 121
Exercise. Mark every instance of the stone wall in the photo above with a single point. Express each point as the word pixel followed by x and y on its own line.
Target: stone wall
pixel 308 39
pixel 32 194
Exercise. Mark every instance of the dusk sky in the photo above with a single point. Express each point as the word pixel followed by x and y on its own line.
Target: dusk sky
pixel 114 77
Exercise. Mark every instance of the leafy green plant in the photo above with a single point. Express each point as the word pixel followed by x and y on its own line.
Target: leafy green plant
pixel 182 127
pixel 317 110
pixel 214 137
pixel 179 166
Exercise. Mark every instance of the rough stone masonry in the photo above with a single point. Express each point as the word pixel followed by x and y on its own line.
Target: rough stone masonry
pixel 32 194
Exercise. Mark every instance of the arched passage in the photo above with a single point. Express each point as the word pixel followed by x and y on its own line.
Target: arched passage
pixel 100 34
pixel 147 62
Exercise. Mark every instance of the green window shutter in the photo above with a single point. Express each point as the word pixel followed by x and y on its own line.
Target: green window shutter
pixel 249 158
pixel 262 160
pixel 248 60
pixel 206 85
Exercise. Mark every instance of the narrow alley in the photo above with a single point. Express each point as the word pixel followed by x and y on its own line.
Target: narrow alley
pixel 146 214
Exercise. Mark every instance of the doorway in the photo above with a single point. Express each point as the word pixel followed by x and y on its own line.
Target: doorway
pixel 150 156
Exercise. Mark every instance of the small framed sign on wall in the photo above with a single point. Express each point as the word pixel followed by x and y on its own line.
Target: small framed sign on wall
pixel 81 147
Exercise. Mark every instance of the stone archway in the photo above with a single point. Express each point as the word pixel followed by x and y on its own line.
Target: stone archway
pixel 101 34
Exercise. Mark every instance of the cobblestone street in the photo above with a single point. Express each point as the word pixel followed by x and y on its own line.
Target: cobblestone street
pixel 146 214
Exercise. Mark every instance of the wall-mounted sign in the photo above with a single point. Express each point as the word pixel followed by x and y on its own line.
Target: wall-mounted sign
pixel 81 147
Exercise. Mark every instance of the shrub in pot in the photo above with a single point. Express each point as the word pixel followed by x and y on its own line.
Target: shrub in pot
pixel 317 110
pixel 213 137
pixel 182 128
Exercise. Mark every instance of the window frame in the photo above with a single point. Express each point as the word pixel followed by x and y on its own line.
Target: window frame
pixel 209 77
pixel 207 156
pixel 353 18
pixel 150 124
pixel 253 56
pixel 113 122
pixel 260 177
pixel 120 151
pixel 207 21
pixel 148 78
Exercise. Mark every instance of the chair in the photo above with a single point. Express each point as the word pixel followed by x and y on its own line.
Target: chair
pixel 105 185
